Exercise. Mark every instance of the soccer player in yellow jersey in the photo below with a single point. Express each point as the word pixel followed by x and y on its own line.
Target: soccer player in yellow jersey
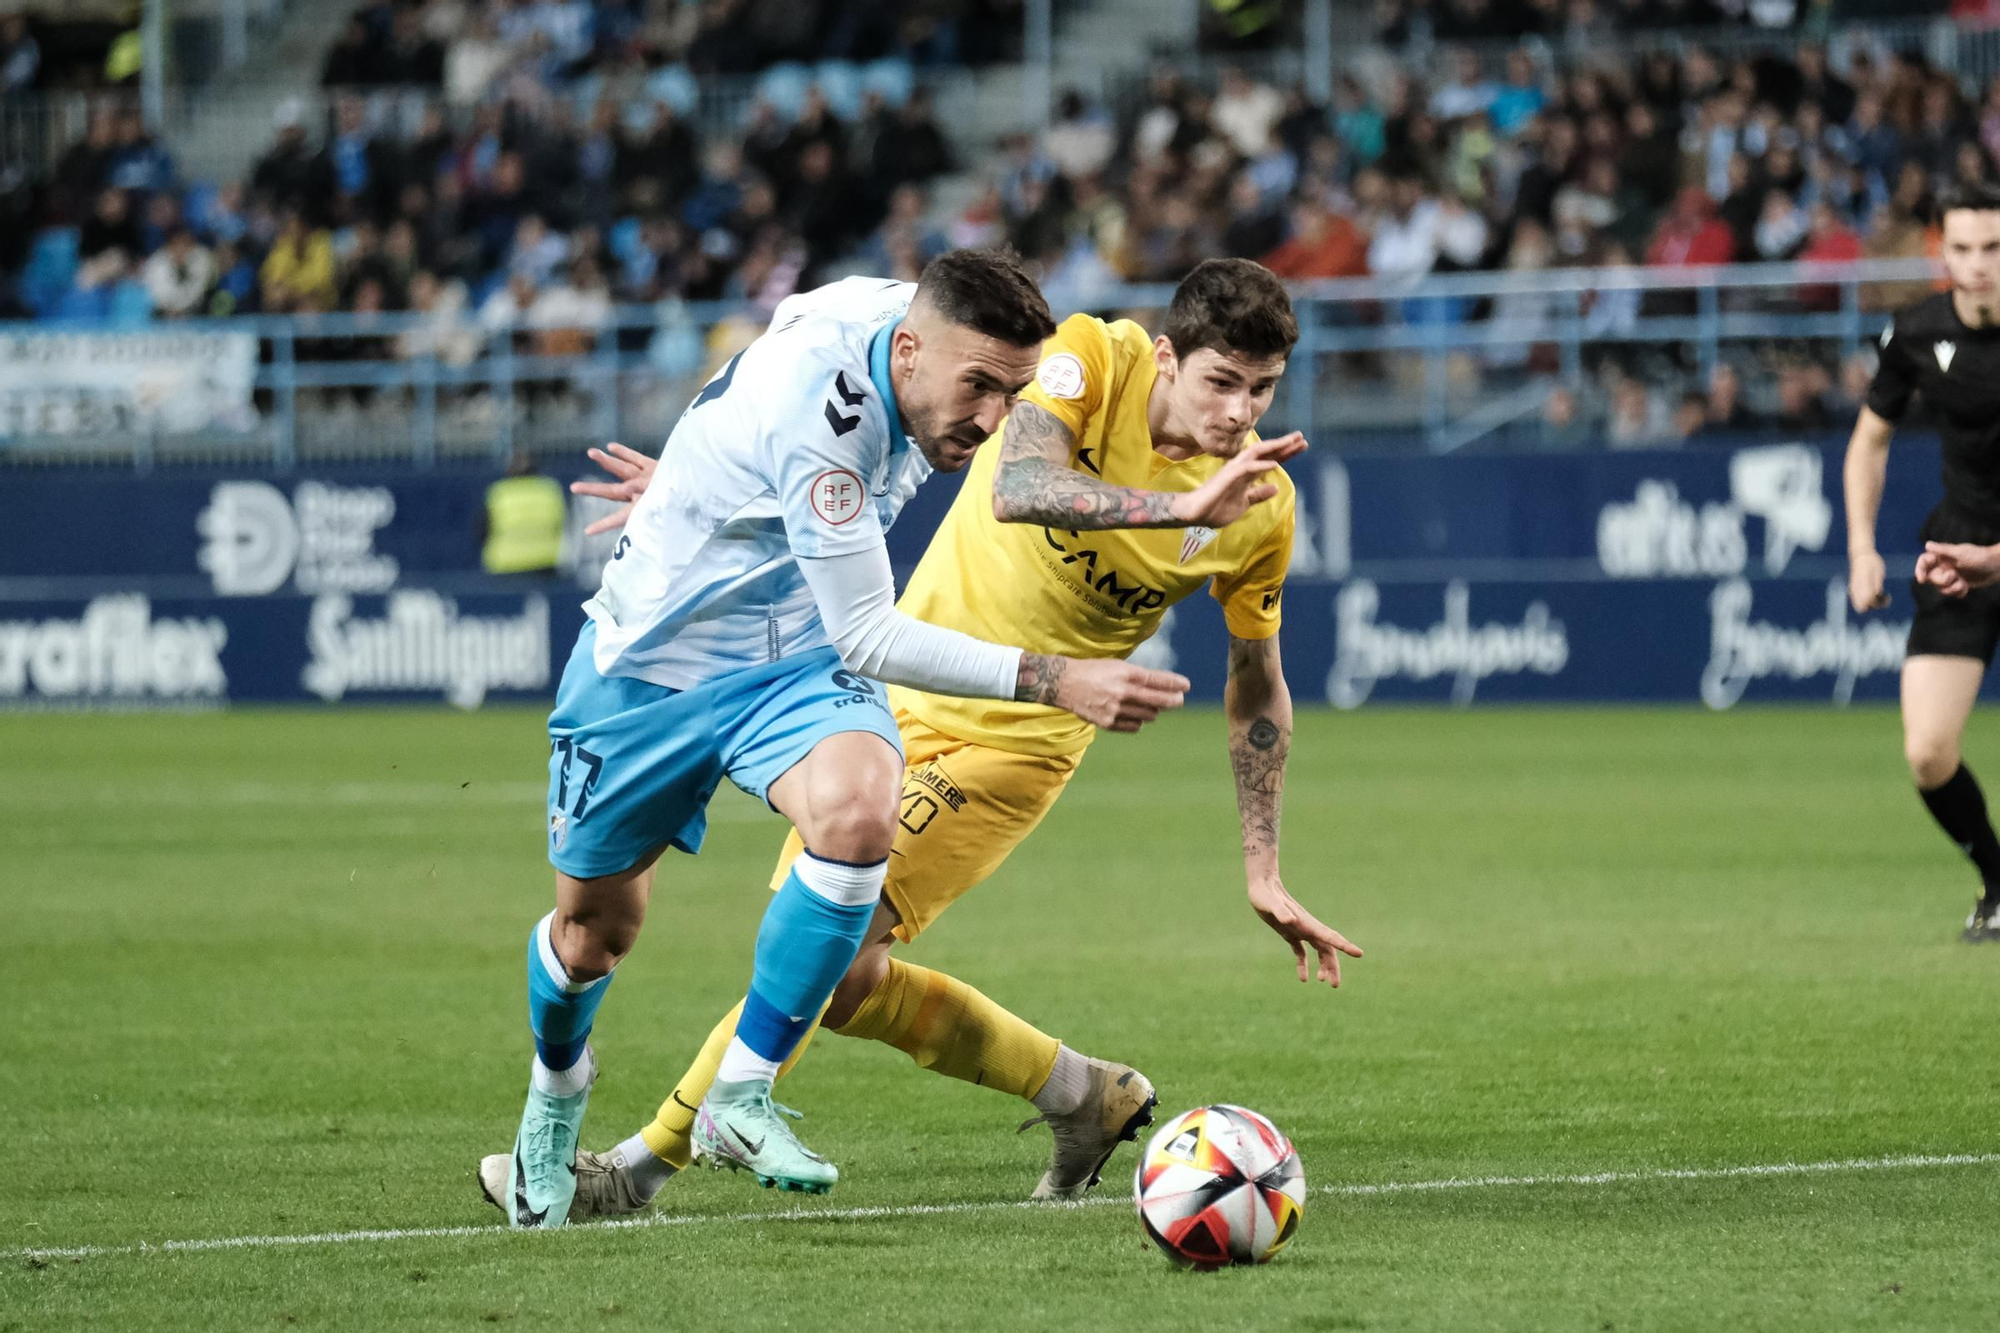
pixel 1077 527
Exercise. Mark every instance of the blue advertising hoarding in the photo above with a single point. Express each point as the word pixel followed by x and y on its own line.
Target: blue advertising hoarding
pixel 1713 577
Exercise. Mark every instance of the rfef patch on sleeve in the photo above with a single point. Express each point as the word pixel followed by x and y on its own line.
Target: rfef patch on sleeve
pixel 1061 376
pixel 837 496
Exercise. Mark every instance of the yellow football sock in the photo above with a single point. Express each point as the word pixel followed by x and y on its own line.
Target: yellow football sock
pixel 947 1026
pixel 671 1134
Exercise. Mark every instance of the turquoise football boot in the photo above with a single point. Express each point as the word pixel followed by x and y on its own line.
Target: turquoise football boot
pixel 739 1127
pixel 541 1176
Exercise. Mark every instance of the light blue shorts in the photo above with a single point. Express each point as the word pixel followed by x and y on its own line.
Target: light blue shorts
pixel 632 765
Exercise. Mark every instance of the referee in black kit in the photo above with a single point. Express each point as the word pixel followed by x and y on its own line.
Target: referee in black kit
pixel 1948 349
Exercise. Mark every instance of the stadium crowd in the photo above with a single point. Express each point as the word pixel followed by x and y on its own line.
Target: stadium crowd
pixel 567 186
pixel 1662 161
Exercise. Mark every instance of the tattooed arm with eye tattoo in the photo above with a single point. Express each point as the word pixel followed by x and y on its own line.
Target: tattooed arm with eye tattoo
pixel 1035 483
pixel 1259 708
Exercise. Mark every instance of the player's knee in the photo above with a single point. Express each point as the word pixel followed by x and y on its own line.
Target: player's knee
pixel 870 967
pixel 591 945
pixel 858 826
pixel 1932 759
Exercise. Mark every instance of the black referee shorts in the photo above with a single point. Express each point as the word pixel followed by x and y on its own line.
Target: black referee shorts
pixel 1967 626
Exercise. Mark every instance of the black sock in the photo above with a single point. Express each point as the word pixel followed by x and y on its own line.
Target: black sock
pixel 1959 807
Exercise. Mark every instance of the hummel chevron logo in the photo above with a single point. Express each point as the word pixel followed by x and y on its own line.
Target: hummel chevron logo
pixel 841 425
pixel 852 397
pixel 1945 352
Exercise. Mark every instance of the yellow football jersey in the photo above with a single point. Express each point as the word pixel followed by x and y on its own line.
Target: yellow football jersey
pixel 1088 594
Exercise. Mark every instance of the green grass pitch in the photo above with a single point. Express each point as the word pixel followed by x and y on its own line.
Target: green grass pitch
pixel 263 978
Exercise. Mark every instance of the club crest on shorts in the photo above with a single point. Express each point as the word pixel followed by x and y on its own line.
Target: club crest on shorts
pixel 1193 542
pixel 558 830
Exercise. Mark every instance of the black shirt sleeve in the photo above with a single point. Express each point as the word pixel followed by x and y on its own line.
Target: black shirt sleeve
pixel 1895 377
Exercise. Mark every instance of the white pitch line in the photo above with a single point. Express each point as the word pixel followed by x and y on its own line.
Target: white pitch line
pixel 1754 1171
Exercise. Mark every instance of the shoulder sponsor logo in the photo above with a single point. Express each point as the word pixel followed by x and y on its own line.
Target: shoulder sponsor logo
pixel 422 645
pixel 1945 352
pixel 255 538
pixel 1367 652
pixel 1742 650
pixel 1061 376
pixel 1658 533
pixel 116 650
pixel 836 496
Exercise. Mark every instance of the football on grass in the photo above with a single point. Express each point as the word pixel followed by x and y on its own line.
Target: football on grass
pixel 1220 1185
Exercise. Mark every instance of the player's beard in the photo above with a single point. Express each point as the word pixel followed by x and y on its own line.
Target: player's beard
pixel 943 446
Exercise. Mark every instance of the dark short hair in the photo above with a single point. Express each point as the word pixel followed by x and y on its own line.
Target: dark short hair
pixel 989 292
pixel 1979 196
pixel 1235 306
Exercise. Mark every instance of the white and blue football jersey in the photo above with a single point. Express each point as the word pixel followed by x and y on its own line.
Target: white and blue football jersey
pixel 795 448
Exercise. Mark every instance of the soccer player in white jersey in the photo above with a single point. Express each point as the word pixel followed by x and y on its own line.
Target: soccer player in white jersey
pixel 745 620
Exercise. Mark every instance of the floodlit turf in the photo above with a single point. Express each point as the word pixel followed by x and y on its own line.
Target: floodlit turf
pixel 263 977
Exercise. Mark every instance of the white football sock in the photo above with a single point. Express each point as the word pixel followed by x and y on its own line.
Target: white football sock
pixel 648 1172
pixel 741 1064
pixel 1068 1082
pixel 564 1082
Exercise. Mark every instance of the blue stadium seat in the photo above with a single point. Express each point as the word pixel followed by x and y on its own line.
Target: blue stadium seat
pixel 894 79
pixel 839 81
pixel 784 86
pixel 624 238
pixel 131 305
pixel 50 270
pixel 79 306
pixel 675 86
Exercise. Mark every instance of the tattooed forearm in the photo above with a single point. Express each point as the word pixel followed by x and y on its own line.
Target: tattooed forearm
pixel 1260 740
pixel 1034 483
pixel 1040 678
pixel 1258 754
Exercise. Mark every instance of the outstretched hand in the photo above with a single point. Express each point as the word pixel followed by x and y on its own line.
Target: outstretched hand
pixel 632 472
pixel 1302 930
pixel 1231 493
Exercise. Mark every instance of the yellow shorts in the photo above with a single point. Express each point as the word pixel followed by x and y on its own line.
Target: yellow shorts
pixel 966 807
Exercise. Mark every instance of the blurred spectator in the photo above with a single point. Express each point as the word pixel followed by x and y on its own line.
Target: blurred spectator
pixel 444 332
pixel 1405 244
pixel 1466 92
pixel 1727 413
pixel 1690 417
pixel 1322 244
pixel 1691 235
pixel 1256 225
pixel 1829 240
pixel 1563 426
pixel 1246 112
pixel 905 241
pixel 1635 421
pixel 1802 409
pixel 20 56
pixel 1081 141
pixel 298 274
pixel 110 226
pixel 473 62
pixel 1520 98
pixel 137 162
pixel 179 276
